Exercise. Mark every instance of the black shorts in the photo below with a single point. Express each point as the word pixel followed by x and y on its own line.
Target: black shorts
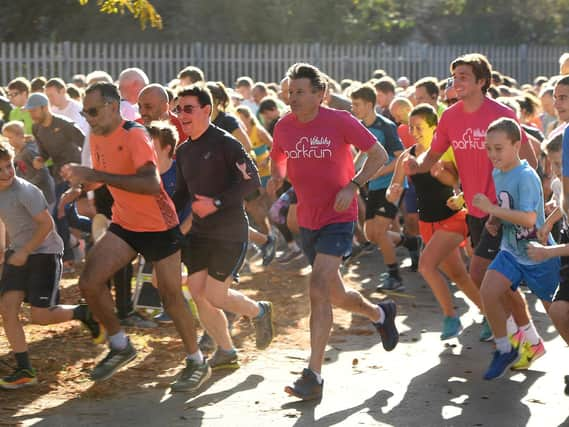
pixel 220 258
pixel 377 205
pixel 152 245
pixel 563 290
pixel 484 244
pixel 38 279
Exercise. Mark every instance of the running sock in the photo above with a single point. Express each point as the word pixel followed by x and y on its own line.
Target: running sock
pixel 196 357
pixel 118 341
pixel 503 345
pixel 261 311
pixel 530 333
pixel 318 376
pixel 23 360
pixel 381 316
pixel 511 326
pixel 393 270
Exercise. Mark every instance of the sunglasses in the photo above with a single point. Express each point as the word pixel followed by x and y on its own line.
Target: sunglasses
pixel 188 109
pixel 93 111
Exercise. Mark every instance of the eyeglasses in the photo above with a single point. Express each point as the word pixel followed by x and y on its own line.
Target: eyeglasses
pixel 93 111
pixel 13 94
pixel 188 109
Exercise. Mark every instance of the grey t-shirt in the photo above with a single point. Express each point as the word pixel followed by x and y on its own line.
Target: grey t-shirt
pixel 23 161
pixel 18 205
pixel 61 141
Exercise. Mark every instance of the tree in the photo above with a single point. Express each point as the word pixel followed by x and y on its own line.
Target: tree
pixel 141 9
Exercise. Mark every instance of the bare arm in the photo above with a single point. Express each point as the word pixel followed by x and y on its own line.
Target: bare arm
pixel 523 218
pixel 376 158
pixel 145 181
pixel 424 165
pixel 388 168
pixel 44 224
pixel 242 138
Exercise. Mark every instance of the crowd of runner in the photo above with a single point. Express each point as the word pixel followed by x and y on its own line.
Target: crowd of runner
pixel 467 174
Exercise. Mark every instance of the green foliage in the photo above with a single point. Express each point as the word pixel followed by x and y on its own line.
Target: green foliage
pixel 141 9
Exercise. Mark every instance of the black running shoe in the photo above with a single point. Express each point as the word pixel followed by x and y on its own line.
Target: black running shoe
pixel 86 317
pixel 113 361
pixel 206 343
pixel 388 329
pixel 306 387
pixel 192 376
pixel 268 250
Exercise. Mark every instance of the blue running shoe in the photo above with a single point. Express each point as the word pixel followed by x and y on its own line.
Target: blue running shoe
pixel 388 330
pixel 501 362
pixel 451 327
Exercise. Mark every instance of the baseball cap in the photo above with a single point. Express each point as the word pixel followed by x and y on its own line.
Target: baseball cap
pixel 36 100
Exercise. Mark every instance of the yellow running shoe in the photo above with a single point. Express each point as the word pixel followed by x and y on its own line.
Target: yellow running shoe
pixel 528 354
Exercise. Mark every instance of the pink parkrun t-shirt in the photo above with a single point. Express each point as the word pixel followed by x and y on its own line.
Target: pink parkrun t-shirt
pixel 318 161
pixel 466 134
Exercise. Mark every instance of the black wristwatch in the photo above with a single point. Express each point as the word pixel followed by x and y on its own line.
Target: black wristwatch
pixel 217 203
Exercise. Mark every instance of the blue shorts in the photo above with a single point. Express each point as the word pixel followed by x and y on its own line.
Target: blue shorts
pixel 410 199
pixel 542 278
pixel 332 239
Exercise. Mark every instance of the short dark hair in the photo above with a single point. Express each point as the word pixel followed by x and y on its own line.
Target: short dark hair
pixel 427 112
pixel 6 151
pixel 529 104
pixel 38 84
pixel 554 145
pixel 480 65
pixel 244 81
pixel 378 74
pixel 200 91
pixel 431 86
pixel 562 81
pixel 108 91
pixel 165 133
pixel 73 91
pixel 540 80
pixel 268 104
pixel 302 70
pixel 21 84
pixel 193 73
pixel 386 85
pixel 57 83
pixel 365 92
pixel 509 126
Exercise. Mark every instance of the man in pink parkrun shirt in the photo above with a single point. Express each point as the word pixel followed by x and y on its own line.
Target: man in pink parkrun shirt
pixel 463 126
pixel 312 146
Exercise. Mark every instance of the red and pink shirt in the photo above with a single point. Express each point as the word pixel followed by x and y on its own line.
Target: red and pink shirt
pixel 466 134
pixel 318 161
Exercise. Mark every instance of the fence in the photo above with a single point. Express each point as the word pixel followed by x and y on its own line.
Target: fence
pixel 264 62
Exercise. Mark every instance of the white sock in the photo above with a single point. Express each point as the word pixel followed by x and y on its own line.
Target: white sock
pixel 511 326
pixel 531 334
pixel 318 376
pixel 293 246
pixel 196 357
pixel 381 315
pixel 503 345
pixel 118 341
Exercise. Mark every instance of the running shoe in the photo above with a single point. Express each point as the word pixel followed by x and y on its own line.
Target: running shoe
pixel 97 330
pixel 163 318
pixel 388 330
pixel 486 333
pixel 268 250
pixel 224 360
pixel 113 361
pixel 18 379
pixel 192 376
pixel 500 363
pixel 391 283
pixel 206 343
pixel 290 255
pixel 264 328
pixel 306 387
pixel 136 320
pixel 529 354
pixel 452 327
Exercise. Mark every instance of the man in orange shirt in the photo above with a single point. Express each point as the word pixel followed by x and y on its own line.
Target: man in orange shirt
pixel 144 221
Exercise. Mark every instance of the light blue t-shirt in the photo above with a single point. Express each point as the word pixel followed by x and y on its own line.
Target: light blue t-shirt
pixel 385 132
pixel 520 190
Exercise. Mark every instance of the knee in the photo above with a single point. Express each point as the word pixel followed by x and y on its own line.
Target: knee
pixel 489 293
pixel 426 267
pixel 318 291
pixel 171 298
pixel 337 297
pixel 7 311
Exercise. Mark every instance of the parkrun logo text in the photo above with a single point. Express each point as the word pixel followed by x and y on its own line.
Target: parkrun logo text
pixel 315 147
pixel 471 140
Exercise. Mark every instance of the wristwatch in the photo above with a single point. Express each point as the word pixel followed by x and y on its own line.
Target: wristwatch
pixel 217 203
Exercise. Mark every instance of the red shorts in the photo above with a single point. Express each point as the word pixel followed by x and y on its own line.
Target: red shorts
pixel 454 224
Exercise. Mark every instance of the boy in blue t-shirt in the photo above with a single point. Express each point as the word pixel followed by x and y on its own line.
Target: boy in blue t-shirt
pixel 521 212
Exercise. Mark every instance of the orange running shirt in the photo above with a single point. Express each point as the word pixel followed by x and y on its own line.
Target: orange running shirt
pixel 123 152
